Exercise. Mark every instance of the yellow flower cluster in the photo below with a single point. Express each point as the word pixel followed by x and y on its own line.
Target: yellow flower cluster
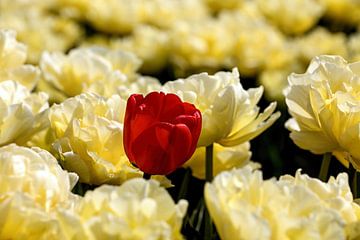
pixel 88 127
pixel 89 138
pixel 36 203
pixel 331 43
pixel 335 10
pixel 37 27
pixel 95 69
pixel 12 61
pixel 191 36
pixel 324 104
pixel 292 21
pixel 22 113
pixel 136 210
pixel 150 44
pixel 123 16
pixel 244 206
pixel 217 6
pixel 204 45
pixel 32 187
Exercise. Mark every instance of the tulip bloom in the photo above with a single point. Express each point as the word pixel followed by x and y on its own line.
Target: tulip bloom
pixel 160 132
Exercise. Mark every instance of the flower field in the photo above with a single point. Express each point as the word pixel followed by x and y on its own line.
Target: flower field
pixel 180 119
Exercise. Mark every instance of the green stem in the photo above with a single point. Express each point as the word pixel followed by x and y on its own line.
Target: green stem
pixel 184 185
pixel 353 180
pixel 202 211
pixel 323 175
pixel 209 163
pixel 208 228
pixel 146 176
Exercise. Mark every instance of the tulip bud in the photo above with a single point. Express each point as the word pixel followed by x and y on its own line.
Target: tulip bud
pixel 160 132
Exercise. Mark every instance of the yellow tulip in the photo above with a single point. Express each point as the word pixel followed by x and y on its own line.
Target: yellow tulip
pixel 324 103
pixel 33 187
pixel 292 21
pixel 136 210
pixel 12 61
pixel 89 138
pixel 23 114
pixel 299 207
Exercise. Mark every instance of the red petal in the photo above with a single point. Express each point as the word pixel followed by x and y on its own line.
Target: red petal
pixel 133 101
pixel 162 148
pixel 194 125
pixel 153 103
pixel 140 123
pixel 171 108
pixel 189 108
pixel 181 145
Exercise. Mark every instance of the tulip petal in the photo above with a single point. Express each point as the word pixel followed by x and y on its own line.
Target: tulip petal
pixel 153 103
pixel 162 148
pixel 131 105
pixel 171 108
pixel 194 125
pixel 182 146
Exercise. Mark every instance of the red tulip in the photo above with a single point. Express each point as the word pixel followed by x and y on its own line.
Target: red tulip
pixel 160 132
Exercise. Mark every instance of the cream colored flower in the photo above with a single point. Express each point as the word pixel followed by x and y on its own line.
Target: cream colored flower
pixel 353 45
pixel 32 187
pixel 217 6
pixel 275 80
pixel 37 174
pixel 23 218
pixel 89 139
pixel 42 139
pixel 41 31
pixel 342 11
pixel 331 43
pixel 324 104
pixel 335 194
pixel 138 209
pixel 122 16
pixel 297 207
pixel 297 16
pixel 74 73
pixel 121 86
pixel 116 16
pixel 150 44
pixel 206 44
pixel 22 113
pixel 353 231
pixel 94 70
pixel 230 115
pixel 13 53
pixel 18 5
pixel 225 158
pixel 12 59
pixel 124 61
pixel 75 8
pixel 165 14
pixel 257 44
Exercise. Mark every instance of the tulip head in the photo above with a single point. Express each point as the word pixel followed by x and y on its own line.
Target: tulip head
pixel 160 132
